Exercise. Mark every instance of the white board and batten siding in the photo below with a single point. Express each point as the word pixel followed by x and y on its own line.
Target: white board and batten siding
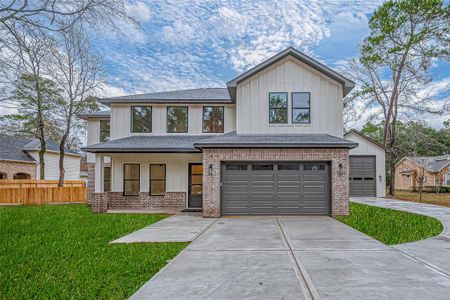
pixel 121 119
pixel 177 169
pixel 289 75
pixel 71 165
pixel 366 147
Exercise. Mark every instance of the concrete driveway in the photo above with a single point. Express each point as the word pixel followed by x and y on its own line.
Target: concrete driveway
pixel 435 252
pixel 292 258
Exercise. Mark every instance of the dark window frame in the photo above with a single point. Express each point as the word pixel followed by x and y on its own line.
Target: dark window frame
pixel 187 119
pixel 295 107
pixel 125 180
pixel 102 131
pixel 106 181
pixel 279 108
pixel 203 119
pixel 150 179
pixel 151 119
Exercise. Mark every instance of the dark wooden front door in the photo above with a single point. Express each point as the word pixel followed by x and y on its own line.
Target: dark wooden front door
pixel 195 198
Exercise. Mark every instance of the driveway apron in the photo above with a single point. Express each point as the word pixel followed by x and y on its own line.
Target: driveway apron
pixel 291 258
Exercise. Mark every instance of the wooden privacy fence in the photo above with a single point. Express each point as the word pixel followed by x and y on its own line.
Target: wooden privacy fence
pixel 22 183
pixel 32 193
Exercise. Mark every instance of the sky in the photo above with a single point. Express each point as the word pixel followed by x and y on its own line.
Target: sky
pixel 189 44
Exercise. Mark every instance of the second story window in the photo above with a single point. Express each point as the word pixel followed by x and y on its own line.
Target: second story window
pixel 104 130
pixel 213 119
pixel 278 108
pixel 141 119
pixel 177 119
pixel 301 108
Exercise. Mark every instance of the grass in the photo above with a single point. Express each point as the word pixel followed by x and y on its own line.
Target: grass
pixel 63 251
pixel 442 199
pixel 391 226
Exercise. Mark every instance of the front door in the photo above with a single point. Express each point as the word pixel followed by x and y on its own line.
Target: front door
pixel 195 198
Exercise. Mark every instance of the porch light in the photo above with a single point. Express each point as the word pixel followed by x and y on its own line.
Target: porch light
pixel 341 169
pixel 210 169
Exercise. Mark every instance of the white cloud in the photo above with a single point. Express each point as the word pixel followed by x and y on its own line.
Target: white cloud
pixel 139 11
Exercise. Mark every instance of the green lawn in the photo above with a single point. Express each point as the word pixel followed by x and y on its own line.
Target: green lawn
pixel 62 251
pixel 391 226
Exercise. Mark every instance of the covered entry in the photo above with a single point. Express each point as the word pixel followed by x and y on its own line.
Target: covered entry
pixel 275 188
pixel 362 176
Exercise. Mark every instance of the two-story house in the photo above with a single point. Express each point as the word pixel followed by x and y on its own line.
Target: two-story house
pixel 271 142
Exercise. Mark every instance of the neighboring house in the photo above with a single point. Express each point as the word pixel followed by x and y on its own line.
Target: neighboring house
pixel 19 159
pixel 435 169
pixel 270 143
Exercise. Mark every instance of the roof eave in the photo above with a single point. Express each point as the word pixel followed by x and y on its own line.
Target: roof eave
pixel 108 101
pixel 139 150
pixel 273 145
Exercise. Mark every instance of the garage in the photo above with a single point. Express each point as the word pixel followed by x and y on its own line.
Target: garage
pixel 363 176
pixel 275 188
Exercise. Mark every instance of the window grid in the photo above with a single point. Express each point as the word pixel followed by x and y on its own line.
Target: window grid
pixel 308 108
pixel 156 179
pixel 278 114
pixel 125 180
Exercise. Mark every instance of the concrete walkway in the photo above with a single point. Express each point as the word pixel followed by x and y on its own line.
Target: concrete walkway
pixel 292 258
pixel 435 251
pixel 182 227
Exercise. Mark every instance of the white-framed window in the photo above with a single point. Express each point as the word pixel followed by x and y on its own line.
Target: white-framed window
pixel 447 179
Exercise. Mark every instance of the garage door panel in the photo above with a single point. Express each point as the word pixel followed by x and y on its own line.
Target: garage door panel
pixel 362 179
pixel 276 188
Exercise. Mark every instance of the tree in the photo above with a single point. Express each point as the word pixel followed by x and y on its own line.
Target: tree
pixel 79 74
pixel 26 59
pixel 405 36
pixel 59 15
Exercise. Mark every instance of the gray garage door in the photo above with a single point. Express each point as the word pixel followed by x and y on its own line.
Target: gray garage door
pixel 296 188
pixel 362 176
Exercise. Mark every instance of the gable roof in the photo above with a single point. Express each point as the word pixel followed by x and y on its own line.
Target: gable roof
pixel 347 84
pixel 15 148
pixel 359 133
pixel 200 95
pixel 432 164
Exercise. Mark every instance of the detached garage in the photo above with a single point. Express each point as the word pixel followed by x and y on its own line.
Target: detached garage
pixel 367 167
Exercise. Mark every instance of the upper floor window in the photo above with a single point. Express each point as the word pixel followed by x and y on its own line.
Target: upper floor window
pixel 213 119
pixel 104 130
pixel 141 119
pixel 177 119
pixel 301 108
pixel 278 108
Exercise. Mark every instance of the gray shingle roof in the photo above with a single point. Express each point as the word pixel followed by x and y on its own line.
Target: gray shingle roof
pixel 201 95
pixel 11 148
pixel 149 143
pixel 234 140
pixel 94 114
pixel 14 148
pixel 432 163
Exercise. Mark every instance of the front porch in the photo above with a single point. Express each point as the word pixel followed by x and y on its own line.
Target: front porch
pixel 148 182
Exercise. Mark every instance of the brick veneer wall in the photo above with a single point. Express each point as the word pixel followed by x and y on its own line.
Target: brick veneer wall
pixel 11 167
pixel 91 177
pixel 100 202
pixel 214 157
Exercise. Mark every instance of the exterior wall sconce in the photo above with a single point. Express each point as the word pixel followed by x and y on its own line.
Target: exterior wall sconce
pixel 340 169
pixel 380 178
pixel 210 170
